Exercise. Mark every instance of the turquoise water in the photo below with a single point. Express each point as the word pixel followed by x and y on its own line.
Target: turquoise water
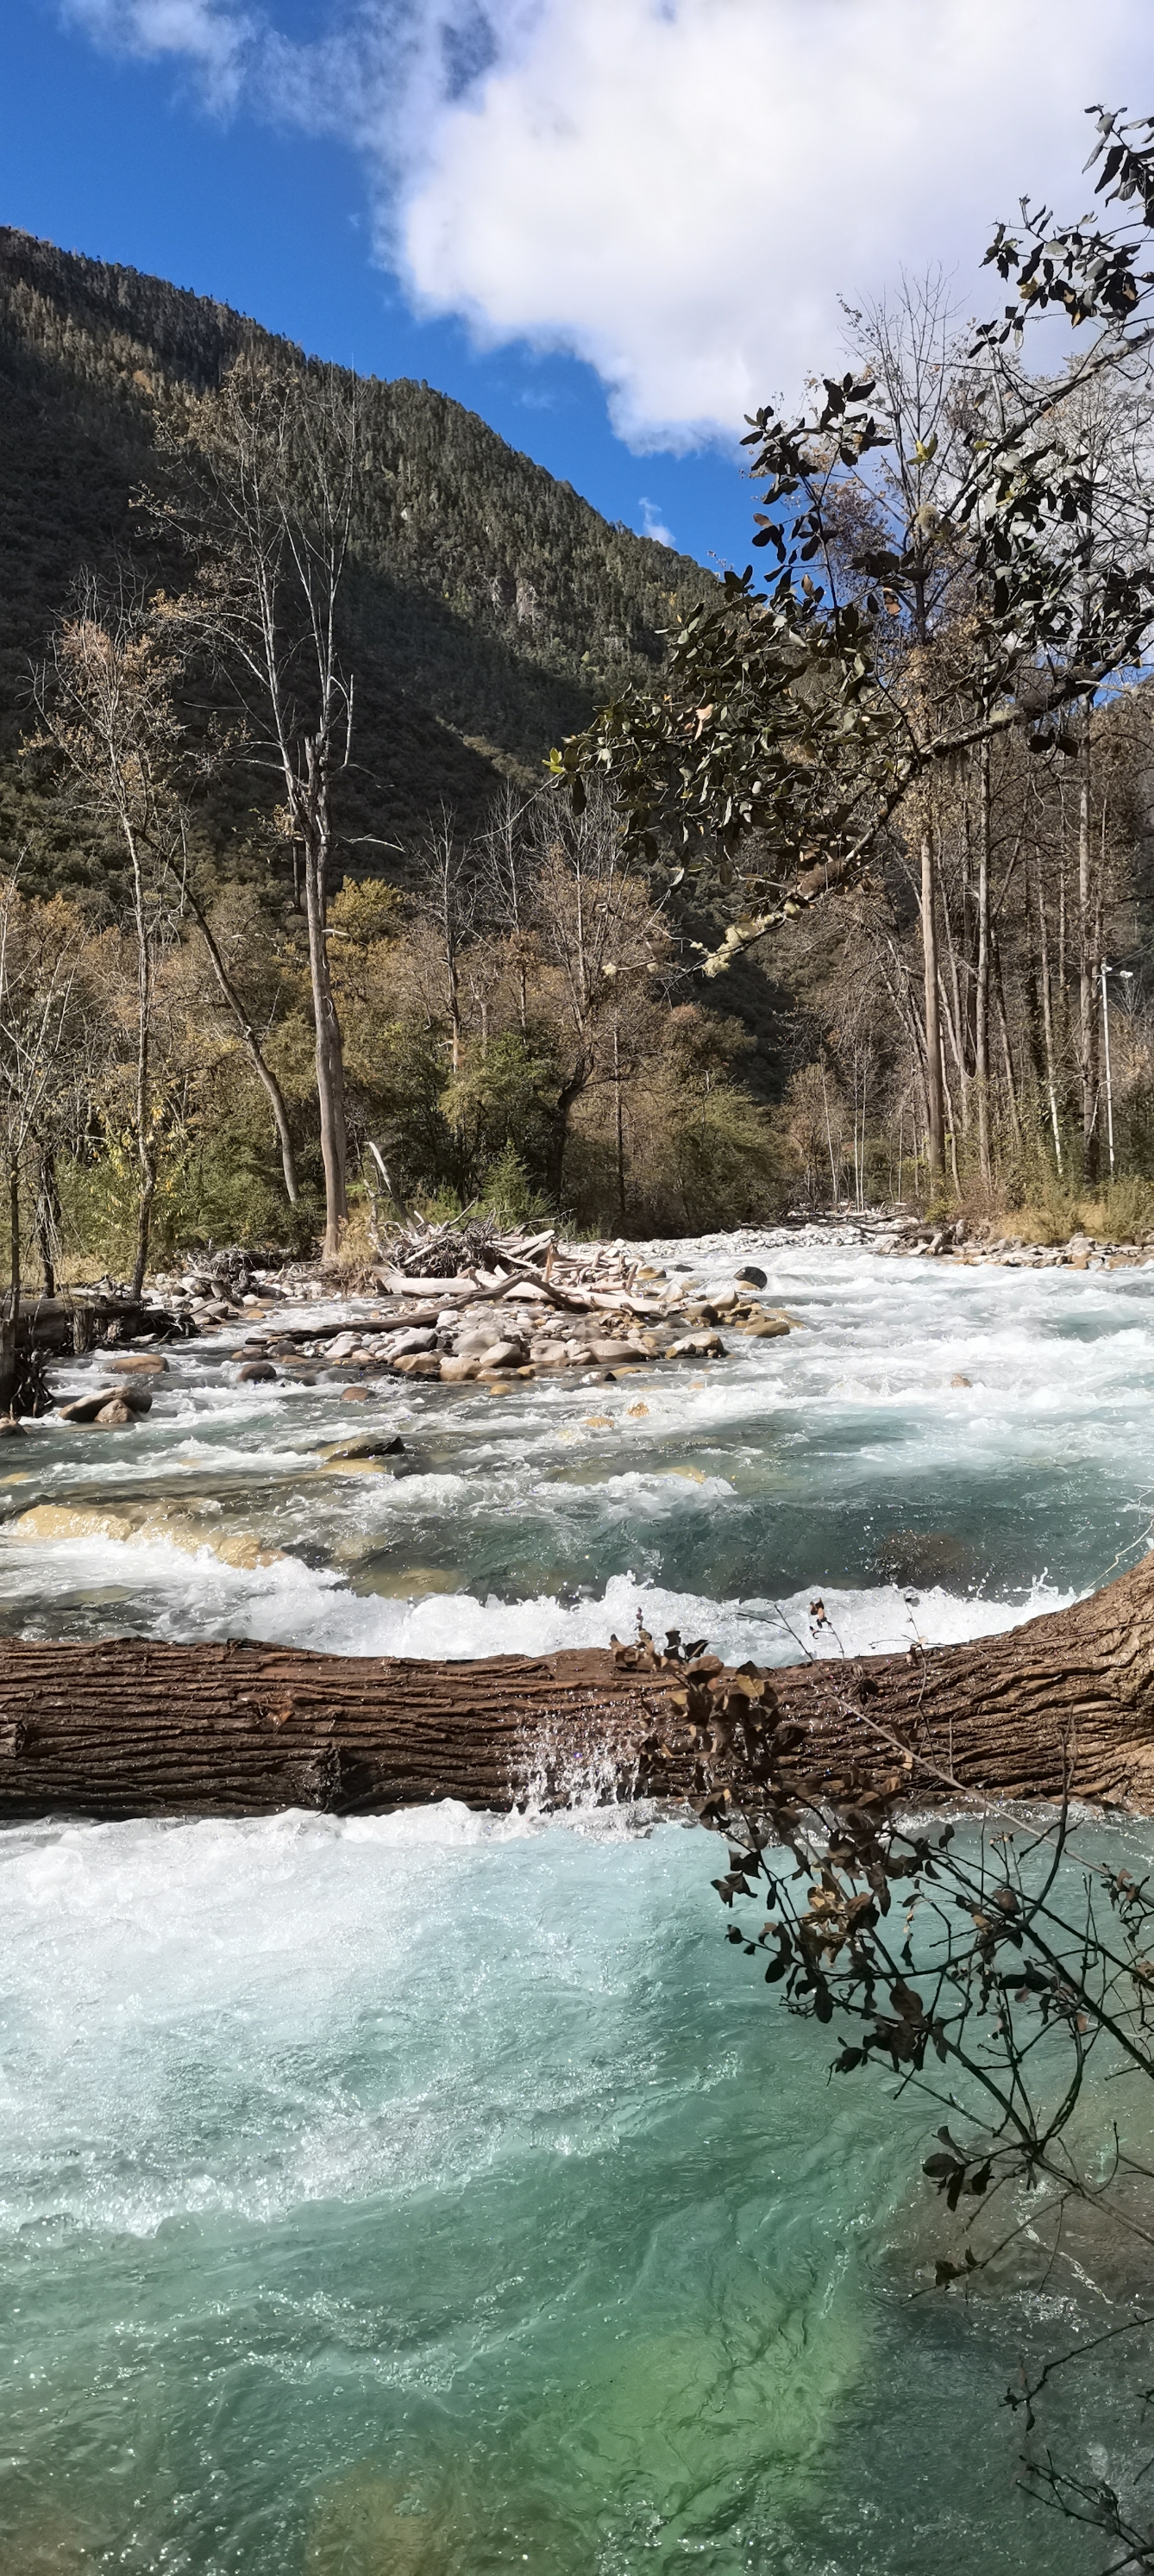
pixel 431 2196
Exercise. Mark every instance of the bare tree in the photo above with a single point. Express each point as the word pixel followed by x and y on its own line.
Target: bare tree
pixel 104 699
pixel 274 459
pixel 447 905
pixel 599 935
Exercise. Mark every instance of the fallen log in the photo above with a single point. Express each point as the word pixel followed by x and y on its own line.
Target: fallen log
pixel 128 1727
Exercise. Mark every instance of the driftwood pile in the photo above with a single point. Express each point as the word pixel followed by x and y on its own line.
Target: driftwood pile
pixel 515 1306
pixel 518 1305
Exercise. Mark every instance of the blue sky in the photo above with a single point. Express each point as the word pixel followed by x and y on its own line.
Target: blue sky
pixel 120 158
pixel 610 226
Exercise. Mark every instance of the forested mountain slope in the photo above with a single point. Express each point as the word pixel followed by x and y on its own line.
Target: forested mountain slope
pixel 492 606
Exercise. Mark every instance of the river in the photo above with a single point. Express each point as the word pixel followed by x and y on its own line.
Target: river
pixel 442 2195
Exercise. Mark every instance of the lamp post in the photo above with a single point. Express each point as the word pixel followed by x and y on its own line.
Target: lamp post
pixel 1127 978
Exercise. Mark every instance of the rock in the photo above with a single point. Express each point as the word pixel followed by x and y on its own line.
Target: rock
pixel 256 1373
pixel 504 1355
pixel 580 1355
pixel 357 1394
pixel 961 1381
pixel 606 1354
pixel 133 1400
pixel 84 1408
pixel 367 1447
pixel 699 1346
pixel 405 1345
pixel 418 1364
pixel 10 1429
pixel 721 1296
pixel 549 1354
pixel 457 1371
pixel 115 1416
pixel 751 1278
pixel 140 1364
pixel 768 1328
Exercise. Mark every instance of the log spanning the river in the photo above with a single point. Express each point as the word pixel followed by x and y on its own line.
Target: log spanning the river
pixel 126 1727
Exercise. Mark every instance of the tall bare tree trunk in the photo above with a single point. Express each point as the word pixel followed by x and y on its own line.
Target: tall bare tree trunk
pixel 14 1236
pixel 1007 1053
pixel 619 1120
pixel 1088 971
pixel 935 1105
pixel 48 1218
pixel 329 1049
pixel 1048 1018
pixel 145 1140
pixel 982 978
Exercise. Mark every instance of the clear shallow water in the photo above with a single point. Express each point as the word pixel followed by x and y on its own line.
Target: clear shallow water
pixel 422 2197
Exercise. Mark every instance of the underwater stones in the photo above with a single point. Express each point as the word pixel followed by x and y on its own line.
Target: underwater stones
pixel 924 1557
pixel 371 1445
pixel 60 1521
pixel 357 1394
pixel 256 1373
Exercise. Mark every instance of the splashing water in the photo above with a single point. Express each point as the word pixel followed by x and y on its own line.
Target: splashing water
pixel 437 2195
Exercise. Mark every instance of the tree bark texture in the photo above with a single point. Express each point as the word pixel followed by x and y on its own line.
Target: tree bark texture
pixel 1088 973
pixel 130 1728
pixel 982 982
pixel 329 1050
pixel 935 1103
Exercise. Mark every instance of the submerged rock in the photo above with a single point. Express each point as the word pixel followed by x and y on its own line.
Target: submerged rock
pixel 184 1530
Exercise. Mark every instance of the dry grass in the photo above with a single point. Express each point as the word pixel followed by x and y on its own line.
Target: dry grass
pixel 1120 1212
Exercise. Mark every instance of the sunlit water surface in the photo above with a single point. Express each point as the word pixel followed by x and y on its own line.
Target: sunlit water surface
pixel 430 2196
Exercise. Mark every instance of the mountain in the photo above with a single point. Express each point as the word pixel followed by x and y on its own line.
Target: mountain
pixel 493 606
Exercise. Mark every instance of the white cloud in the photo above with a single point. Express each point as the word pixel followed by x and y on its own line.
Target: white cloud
pixel 213 35
pixel 652 523
pixel 678 190
pixel 679 193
